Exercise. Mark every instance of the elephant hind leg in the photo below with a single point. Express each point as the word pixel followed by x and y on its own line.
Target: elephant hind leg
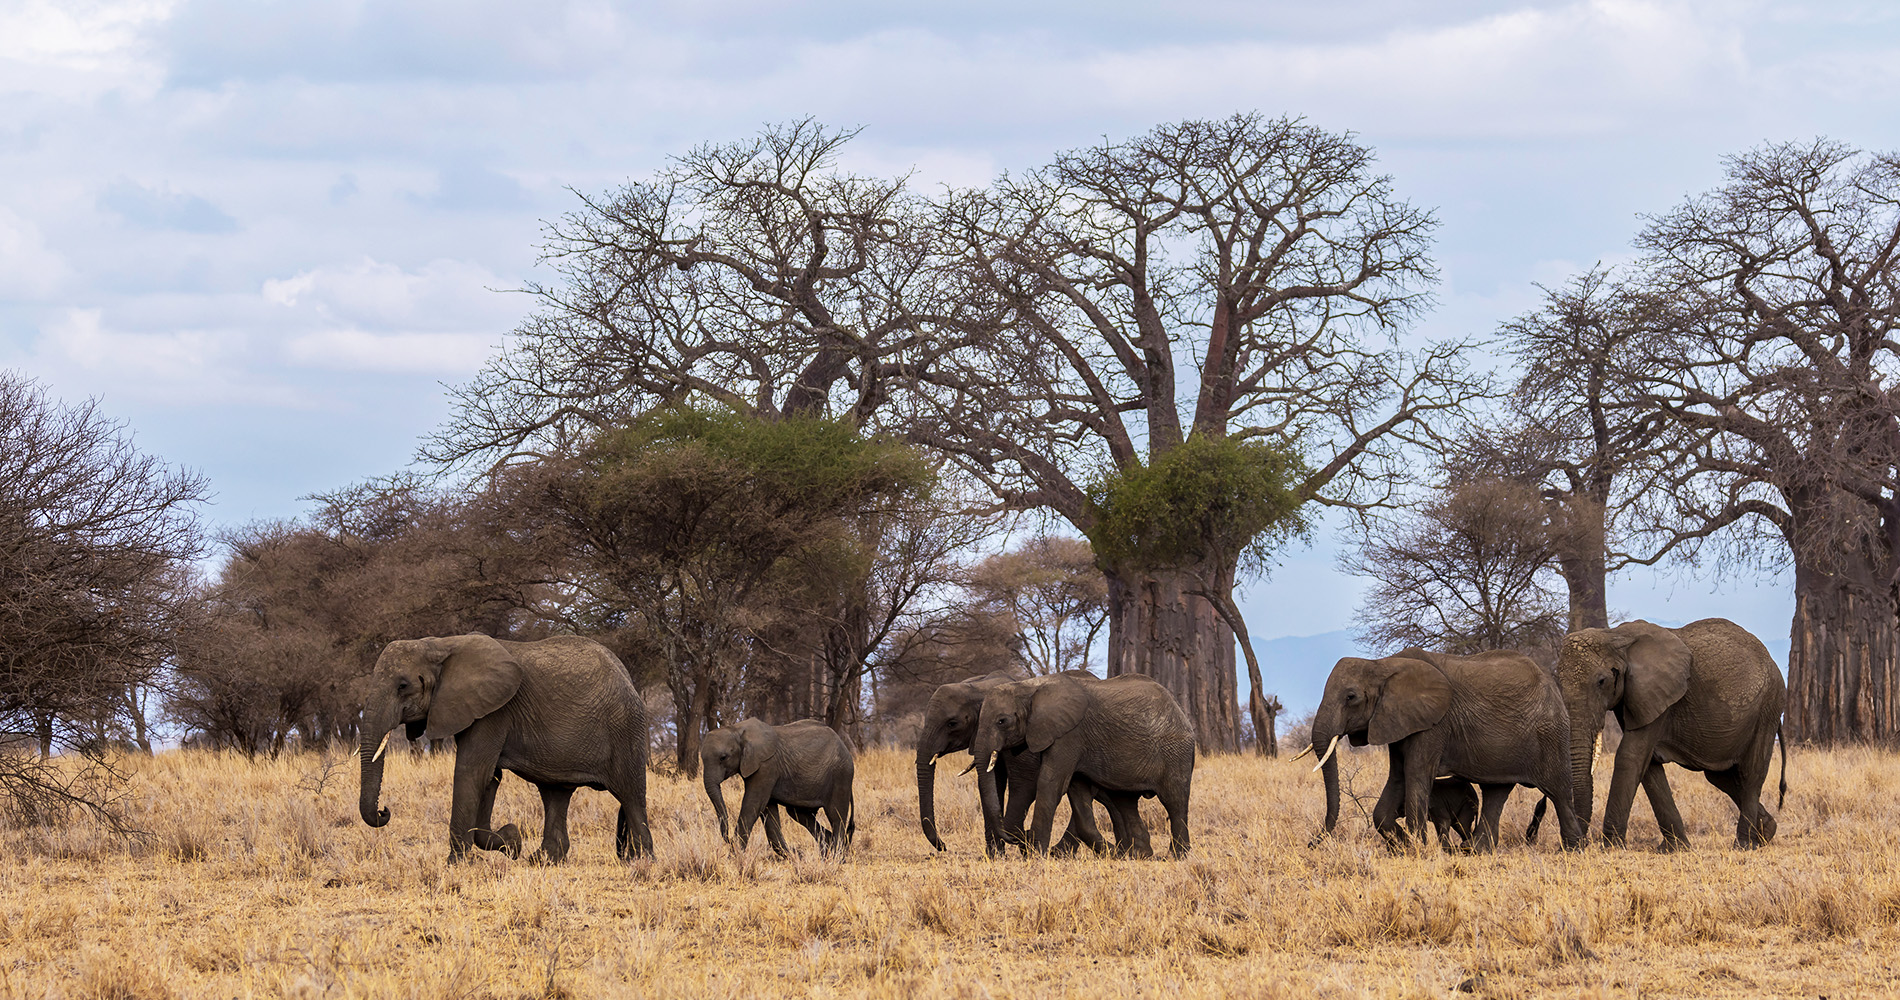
pixel 554 842
pixel 1493 797
pixel 1754 826
pixel 632 835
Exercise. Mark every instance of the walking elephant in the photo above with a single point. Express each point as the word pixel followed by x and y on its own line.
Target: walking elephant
pixel 803 766
pixel 1125 735
pixel 950 721
pixel 1706 696
pixel 561 713
pixel 1495 719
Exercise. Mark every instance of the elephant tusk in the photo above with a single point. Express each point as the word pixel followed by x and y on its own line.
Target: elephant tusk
pixel 1329 754
pixel 1597 750
pixel 380 747
pixel 990 764
pixel 933 759
pixel 1308 752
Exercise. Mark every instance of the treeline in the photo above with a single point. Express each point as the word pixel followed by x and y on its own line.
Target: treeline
pixel 770 415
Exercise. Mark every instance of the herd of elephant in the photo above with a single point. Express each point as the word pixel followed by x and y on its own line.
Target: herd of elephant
pixel 563 714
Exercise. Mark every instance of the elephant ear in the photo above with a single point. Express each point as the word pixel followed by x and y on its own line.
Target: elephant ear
pixel 758 744
pixel 1057 707
pixel 1658 671
pixel 1415 697
pixel 478 676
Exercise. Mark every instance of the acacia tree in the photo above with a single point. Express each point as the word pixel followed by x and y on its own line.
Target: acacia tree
pixel 696 515
pixel 1210 280
pixel 1052 594
pixel 1776 363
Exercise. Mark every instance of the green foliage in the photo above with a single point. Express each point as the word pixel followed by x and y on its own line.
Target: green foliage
pixel 685 478
pixel 1208 499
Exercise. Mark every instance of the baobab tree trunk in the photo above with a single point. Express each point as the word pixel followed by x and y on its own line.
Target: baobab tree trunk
pixel 1160 627
pixel 1842 666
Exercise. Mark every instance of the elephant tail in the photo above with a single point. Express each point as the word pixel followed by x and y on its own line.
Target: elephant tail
pixel 1783 795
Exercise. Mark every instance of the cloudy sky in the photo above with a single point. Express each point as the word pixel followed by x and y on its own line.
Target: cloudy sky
pixel 265 233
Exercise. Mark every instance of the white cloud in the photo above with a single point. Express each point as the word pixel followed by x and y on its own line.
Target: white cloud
pixel 29 269
pixel 188 368
pixel 78 47
pixel 413 353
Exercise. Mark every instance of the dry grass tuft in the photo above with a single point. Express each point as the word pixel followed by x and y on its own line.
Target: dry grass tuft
pixel 257 879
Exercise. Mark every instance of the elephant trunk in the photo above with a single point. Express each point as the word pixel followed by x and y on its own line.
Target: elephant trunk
pixel 927 796
pixel 1329 770
pixel 1584 733
pixel 710 774
pixel 375 726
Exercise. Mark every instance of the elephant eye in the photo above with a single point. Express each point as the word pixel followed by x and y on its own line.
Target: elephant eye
pixel 1352 696
pixel 402 684
pixel 954 723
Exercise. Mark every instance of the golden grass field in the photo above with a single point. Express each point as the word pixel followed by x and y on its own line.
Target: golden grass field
pixel 253 883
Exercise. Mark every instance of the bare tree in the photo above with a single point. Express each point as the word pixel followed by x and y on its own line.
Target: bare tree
pixel 95 544
pixel 1212 280
pixel 1778 299
pixel 1467 570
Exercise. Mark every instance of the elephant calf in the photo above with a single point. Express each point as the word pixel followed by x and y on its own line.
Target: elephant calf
pixel 803 766
pixel 1454 808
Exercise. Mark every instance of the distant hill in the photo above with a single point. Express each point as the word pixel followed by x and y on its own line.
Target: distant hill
pixel 1295 666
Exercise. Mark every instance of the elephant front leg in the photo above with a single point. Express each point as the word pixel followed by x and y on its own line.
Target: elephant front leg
pixel 554 842
pixel 758 795
pixel 477 756
pixel 1663 803
pixel 1385 812
pixel 1052 786
pixel 1421 768
pixel 1021 774
pixel 1633 757
pixel 775 832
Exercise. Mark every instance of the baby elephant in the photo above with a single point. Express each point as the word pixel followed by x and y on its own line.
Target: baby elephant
pixel 1454 807
pixel 802 766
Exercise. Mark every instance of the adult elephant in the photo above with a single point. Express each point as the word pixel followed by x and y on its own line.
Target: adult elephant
pixel 803 766
pixel 561 713
pixel 1495 719
pixel 1706 696
pixel 1125 734
pixel 950 721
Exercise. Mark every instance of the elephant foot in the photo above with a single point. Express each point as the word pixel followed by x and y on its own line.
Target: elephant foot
pixel 510 840
pixel 1671 845
pixel 543 858
pixel 1318 839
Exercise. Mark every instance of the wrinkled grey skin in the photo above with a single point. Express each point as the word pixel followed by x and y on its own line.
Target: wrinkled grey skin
pixel 1454 809
pixel 803 766
pixel 1125 734
pixel 561 713
pixel 949 725
pixel 1496 720
pixel 1706 696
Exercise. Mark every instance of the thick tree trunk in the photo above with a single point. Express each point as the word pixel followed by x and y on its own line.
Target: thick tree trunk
pixel 1159 627
pixel 1843 672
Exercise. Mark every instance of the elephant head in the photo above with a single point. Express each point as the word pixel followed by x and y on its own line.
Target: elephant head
pixel 1375 701
pixel 949 725
pixel 1033 714
pixel 436 688
pixel 1636 669
pixel 741 748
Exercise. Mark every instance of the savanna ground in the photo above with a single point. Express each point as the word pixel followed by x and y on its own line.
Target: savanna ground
pixel 258 880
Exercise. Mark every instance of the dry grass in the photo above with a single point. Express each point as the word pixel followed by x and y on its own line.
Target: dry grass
pixel 258 880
